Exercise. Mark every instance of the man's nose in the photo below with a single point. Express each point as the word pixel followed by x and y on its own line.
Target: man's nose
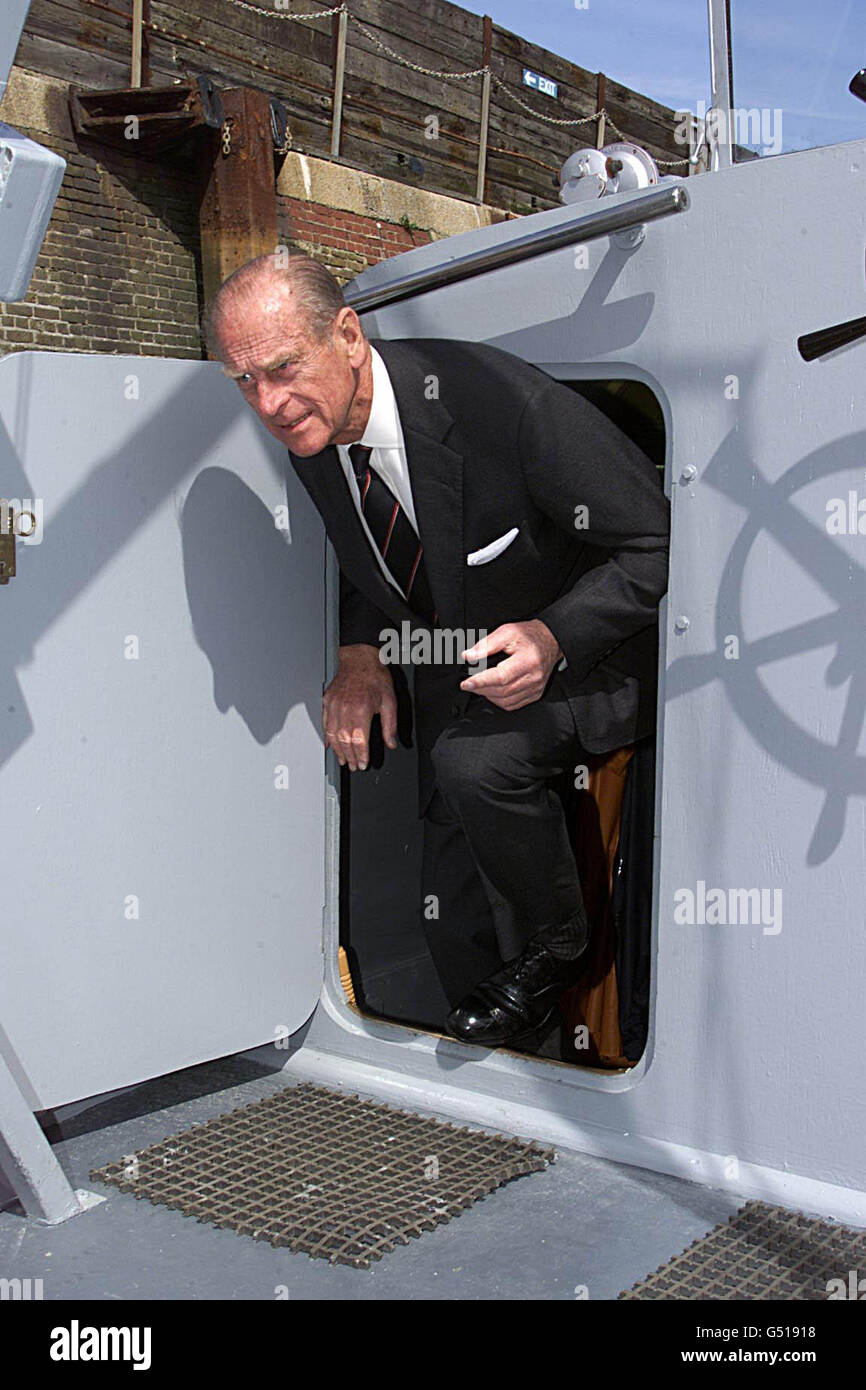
pixel 271 397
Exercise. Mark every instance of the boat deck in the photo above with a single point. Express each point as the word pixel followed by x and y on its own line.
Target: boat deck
pixel 582 1222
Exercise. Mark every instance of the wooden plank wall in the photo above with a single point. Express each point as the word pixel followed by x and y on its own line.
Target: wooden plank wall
pixel 386 111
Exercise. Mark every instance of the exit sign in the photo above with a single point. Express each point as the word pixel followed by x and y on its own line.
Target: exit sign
pixel 539 83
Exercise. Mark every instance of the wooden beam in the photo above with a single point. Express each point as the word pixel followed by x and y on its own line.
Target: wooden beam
pixel 238 207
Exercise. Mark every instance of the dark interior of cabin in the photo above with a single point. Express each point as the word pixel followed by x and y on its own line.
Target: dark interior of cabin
pixel 385 965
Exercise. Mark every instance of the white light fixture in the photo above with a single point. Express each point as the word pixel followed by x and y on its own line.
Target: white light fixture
pixel 619 168
pixel 30 177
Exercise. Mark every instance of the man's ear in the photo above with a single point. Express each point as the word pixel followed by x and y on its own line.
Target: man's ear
pixel 348 328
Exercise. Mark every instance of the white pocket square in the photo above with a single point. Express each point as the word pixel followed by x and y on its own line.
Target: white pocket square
pixel 490 552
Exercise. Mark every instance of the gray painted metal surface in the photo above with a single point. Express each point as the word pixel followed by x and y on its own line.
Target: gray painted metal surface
pixel 752 1078
pixel 30 176
pixel 582 1222
pixel 718 14
pixel 28 1166
pixel 163 660
pixel 30 179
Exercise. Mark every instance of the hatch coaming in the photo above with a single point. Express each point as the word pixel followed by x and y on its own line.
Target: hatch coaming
pixel 707 312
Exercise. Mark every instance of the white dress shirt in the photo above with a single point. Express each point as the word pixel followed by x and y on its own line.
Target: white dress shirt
pixel 384 435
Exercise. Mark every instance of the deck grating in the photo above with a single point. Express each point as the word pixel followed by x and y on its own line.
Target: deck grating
pixel 330 1174
pixel 763 1252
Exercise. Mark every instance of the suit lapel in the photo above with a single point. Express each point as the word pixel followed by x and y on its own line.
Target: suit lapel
pixel 325 481
pixel 436 477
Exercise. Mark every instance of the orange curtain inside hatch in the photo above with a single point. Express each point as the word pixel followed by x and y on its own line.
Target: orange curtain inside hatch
pixel 590 1009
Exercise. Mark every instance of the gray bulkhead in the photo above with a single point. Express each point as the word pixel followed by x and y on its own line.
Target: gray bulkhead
pixel 752 1078
pixel 156 779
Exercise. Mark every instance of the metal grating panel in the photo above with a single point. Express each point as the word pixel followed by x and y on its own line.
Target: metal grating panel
pixel 332 1175
pixel 763 1252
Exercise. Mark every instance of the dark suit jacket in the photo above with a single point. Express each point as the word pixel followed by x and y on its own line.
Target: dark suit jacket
pixel 493 443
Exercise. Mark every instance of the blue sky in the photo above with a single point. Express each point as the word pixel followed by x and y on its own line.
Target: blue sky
pixel 794 55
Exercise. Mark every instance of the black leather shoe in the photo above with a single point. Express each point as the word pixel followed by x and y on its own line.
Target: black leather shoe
pixel 516 1002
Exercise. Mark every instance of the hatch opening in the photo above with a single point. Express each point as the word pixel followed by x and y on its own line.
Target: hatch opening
pixel 385 964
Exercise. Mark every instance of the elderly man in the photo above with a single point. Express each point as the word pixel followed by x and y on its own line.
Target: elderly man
pixel 464 489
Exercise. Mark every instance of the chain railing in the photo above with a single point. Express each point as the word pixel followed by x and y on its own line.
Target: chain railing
pixel 600 118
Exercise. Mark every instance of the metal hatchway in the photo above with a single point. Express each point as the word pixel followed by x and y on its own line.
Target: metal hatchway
pixel 760 783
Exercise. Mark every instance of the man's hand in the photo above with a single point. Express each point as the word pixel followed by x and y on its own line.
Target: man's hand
pixel 533 651
pixel 361 689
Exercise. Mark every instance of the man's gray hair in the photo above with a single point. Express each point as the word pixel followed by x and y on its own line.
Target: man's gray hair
pixel 317 293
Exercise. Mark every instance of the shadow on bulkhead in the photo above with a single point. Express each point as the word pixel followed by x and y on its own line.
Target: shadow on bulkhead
pixel 236 564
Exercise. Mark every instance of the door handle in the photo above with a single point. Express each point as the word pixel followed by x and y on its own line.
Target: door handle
pixel 813 345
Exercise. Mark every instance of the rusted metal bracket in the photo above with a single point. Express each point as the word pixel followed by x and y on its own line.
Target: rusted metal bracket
pixel 154 117
pixel 280 127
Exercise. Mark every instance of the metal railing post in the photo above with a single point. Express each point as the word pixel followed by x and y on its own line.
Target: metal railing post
pixel 339 79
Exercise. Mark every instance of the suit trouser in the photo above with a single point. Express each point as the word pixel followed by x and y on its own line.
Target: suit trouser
pixel 498 865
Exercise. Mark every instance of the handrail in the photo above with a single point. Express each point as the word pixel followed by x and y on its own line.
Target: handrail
pixel 601 221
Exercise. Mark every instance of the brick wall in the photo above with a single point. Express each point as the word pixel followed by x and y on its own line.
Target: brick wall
pixel 345 241
pixel 120 270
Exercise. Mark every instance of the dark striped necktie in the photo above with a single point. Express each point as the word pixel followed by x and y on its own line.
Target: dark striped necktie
pixel 393 534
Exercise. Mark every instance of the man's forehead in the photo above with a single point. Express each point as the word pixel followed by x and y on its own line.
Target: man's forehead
pixel 262 305
pixel 261 332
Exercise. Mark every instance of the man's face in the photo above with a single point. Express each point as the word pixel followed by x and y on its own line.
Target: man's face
pixel 303 391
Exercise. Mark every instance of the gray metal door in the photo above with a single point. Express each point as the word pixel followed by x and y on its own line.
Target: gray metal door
pixel 161 769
